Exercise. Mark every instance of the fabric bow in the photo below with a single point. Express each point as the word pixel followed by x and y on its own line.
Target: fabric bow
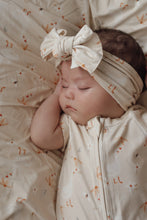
pixel 85 48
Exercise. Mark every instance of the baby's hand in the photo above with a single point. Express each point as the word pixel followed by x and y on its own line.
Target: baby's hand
pixel 58 88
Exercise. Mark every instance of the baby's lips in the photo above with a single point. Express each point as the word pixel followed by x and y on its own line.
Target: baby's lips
pixel 70 107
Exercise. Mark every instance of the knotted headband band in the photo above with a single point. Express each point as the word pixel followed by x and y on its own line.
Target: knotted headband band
pixel 116 76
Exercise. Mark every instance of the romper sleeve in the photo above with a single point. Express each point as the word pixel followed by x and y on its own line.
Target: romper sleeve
pixel 143 119
pixel 64 123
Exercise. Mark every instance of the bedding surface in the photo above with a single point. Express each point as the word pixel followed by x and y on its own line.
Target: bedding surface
pixel 29 176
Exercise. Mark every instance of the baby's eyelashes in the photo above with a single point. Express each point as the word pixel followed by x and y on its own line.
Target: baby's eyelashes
pixel 64 83
pixel 80 88
pixel 84 87
pixel 64 87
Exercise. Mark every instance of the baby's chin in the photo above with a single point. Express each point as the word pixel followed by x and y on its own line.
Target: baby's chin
pixel 80 121
pixel 77 118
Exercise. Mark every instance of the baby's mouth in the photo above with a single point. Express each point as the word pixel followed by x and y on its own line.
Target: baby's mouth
pixel 70 107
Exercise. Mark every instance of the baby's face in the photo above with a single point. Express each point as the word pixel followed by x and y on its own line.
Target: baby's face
pixel 81 96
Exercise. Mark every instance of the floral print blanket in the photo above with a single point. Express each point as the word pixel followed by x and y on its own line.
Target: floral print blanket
pixel 29 176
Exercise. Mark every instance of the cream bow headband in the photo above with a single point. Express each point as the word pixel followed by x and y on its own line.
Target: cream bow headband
pixel 84 46
pixel 116 76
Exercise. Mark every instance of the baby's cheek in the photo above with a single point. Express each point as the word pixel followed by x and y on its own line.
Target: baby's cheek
pixel 61 102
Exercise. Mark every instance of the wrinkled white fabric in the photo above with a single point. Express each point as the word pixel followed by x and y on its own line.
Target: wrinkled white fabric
pixel 116 76
pixel 29 177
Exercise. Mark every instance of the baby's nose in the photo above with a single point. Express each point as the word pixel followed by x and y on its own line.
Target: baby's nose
pixel 69 94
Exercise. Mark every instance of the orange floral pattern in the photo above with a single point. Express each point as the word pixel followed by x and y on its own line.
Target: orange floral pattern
pixel 92 172
pixel 28 175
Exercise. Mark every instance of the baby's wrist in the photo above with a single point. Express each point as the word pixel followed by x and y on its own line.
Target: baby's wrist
pixel 58 88
pixel 56 92
pixel 56 95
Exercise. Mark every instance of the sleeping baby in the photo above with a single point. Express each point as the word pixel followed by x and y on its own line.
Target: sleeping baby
pixel 92 116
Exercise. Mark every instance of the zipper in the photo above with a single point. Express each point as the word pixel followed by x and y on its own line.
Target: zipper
pixel 100 156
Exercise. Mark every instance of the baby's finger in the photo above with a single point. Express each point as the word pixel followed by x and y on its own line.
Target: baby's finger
pixel 58 87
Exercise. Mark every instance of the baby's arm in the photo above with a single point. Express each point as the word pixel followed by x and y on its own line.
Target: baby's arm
pixel 45 130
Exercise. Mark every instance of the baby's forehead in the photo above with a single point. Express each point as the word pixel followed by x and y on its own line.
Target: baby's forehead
pixel 76 77
pixel 76 74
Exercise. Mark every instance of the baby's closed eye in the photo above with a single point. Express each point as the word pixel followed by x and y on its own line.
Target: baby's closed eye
pixel 64 86
pixel 83 87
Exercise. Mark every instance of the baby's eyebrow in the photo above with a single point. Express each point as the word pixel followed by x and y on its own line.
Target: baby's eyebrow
pixel 83 79
pixel 78 79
